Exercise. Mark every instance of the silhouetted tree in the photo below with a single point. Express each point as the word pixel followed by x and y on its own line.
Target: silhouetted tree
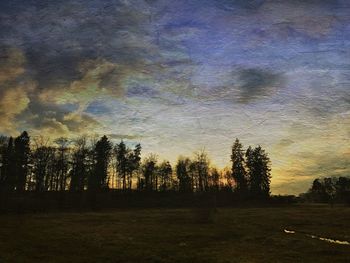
pixel 238 170
pixel 342 187
pixel 215 179
pixel 121 152
pixel 183 175
pixel 165 173
pixel 133 160
pixel 62 162
pixel 8 173
pixel 329 186
pixel 193 174
pixel 22 153
pixel 80 165
pixel 318 191
pixel 101 156
pixel 149 172
pixel 42 156
pixel 127 163
pixel 230 182
pixel 3 148
pixel 201 168
pixel 258 166
pixel 330 189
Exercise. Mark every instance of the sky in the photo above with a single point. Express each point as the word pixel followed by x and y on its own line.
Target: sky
pixel 180 76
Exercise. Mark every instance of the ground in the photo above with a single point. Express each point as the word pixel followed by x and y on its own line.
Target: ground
pixel 176 235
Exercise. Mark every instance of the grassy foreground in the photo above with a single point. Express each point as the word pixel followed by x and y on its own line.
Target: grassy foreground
pixel 175 235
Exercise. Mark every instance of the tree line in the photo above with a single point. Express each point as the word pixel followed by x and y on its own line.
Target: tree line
pixel 329 190
pixel 98 165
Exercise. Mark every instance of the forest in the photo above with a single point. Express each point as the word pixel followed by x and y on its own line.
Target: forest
pixel 97 165
pixel 93 166
pixel 329 190
pixel 83 164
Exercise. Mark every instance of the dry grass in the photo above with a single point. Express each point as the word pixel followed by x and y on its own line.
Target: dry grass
pixel 176 235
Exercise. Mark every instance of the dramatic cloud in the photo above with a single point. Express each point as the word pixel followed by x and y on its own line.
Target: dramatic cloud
pixel 14 88
pixel 181 75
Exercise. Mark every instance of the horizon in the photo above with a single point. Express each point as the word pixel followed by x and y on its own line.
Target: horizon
pixel 181 76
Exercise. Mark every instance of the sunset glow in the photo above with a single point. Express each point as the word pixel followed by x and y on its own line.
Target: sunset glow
pixel 179 76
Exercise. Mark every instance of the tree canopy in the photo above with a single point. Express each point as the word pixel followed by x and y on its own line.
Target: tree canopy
pixel 98 165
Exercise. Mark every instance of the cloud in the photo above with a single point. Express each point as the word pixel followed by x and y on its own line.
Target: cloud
pixel 80 123
pixel 99 77
pixel 12 102
pixel 12 62
pixel 284 143
pixel 142 91
pixel 52 127
pixel 93 74
pixel 123 136
pixel 57 37
pixel 317 95
pixel 293 21
pixel 244 86
pixel 15 88
pixel 329 165
pixel 314 27
pixel 71 125
pixel 55 120
pixel 182 73
pixel 232 5
pixel 256 84
pixel 60 110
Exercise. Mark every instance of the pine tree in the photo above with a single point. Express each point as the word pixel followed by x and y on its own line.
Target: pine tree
pixel 238 170
pixel 99 178
pixel 133 159
pixel 259 172
pixel 149 171
pixel 22 154
pixel 121 153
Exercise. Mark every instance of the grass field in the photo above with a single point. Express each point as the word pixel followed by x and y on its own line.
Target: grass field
pixel 175 235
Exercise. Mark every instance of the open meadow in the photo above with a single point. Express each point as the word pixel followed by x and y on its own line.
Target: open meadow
pixel 178 235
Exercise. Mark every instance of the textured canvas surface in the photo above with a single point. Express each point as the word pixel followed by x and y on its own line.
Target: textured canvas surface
pixel 178 76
